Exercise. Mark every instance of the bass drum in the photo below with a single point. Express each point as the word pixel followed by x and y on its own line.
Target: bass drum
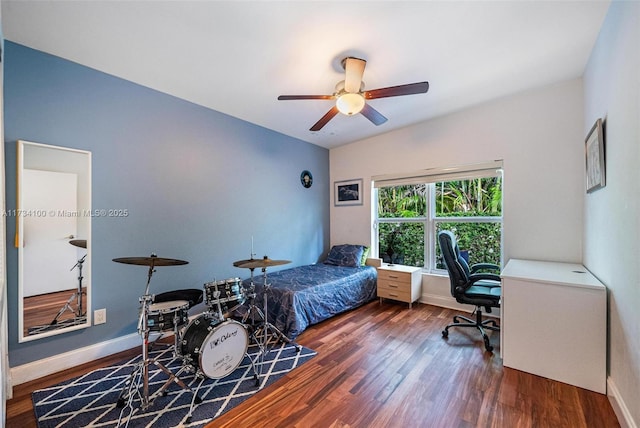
pixel 215 348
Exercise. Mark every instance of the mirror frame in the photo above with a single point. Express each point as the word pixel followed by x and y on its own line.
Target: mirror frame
pixel 84 173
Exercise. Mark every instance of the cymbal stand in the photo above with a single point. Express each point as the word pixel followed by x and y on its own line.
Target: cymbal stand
pixel 80 317
pixel 266 330
pixel 252 307
pixel 78 294
pixel 140 375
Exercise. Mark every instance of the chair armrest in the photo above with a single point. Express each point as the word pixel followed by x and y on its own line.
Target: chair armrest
pixel 475 277
pixel 484 266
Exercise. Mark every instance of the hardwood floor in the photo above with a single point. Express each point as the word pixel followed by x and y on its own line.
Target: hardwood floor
pixel 384 365
pixel 42 309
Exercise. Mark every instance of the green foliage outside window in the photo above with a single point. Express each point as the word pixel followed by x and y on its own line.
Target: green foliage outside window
pixel 403 242
pixel 479 197
pixel 480 240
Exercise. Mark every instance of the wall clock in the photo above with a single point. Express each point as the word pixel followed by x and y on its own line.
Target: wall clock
pixel 306 179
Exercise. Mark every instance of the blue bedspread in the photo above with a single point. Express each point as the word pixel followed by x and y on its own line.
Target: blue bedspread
pixel 305 295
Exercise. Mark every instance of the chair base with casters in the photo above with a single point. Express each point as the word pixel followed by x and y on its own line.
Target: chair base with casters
pixel 478 323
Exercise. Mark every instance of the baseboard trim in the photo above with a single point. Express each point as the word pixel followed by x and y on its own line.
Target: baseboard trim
pixel 444 302
pixel 619 406
pixel 47 366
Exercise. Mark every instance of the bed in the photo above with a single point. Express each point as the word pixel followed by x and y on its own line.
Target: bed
pixel 306 295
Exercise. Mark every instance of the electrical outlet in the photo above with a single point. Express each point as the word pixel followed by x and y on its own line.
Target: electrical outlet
pixel 99 316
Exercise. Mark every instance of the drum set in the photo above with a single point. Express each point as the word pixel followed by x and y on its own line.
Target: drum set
pixel 212 344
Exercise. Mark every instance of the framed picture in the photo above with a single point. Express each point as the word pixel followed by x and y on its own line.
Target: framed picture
pixel 594 154
pixel 348 192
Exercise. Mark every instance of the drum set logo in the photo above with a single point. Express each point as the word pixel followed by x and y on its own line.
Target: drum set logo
pixel 223 338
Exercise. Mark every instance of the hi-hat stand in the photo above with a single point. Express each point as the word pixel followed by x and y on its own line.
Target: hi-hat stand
pixel 140 376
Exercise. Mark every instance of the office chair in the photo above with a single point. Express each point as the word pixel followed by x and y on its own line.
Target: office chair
pixel 470 286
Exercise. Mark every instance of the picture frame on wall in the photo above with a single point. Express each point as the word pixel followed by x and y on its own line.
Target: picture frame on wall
pixel 347 192
pixel 595 157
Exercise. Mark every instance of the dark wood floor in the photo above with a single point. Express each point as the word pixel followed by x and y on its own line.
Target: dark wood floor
pixel 42 309
pixel 384 365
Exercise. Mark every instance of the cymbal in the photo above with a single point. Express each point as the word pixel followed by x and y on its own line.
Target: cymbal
pixel 150 261
pixel 259 263
pixel 82 243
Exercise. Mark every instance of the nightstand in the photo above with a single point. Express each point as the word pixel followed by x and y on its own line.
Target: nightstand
pixel 401 283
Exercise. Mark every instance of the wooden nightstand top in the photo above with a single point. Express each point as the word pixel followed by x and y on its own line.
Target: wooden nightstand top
pixel 400 268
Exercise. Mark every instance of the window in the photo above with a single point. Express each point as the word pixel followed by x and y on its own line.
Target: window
pixel 411 210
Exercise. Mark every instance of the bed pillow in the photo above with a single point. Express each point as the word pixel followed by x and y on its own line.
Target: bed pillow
pixel 365 255
pixel 345 255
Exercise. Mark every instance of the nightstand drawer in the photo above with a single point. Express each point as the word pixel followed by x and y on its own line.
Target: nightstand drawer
pixel 394 276
pixel 394 285
pixel 395 294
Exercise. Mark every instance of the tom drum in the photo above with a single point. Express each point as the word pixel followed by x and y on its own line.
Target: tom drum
pixel 165 316
pixel 227 293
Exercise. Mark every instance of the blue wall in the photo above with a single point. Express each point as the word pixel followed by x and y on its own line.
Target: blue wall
pixel 197 184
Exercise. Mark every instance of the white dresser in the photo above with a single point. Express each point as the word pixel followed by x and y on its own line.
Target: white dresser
pixel 554 322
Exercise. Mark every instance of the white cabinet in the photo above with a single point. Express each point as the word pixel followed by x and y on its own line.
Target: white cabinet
pixel 554 322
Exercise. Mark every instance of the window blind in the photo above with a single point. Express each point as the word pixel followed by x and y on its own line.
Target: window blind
pixel 435 175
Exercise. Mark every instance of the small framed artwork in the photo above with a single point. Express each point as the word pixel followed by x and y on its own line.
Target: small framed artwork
pixel 594 155
pixel 347 192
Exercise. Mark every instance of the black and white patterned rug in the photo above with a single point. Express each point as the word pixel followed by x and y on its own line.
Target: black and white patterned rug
pixel 90 400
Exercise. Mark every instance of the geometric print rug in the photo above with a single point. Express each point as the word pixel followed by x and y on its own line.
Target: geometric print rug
pixel 90 400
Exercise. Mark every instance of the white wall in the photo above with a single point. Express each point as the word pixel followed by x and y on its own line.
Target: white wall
pixel 611 227
pixel 538 134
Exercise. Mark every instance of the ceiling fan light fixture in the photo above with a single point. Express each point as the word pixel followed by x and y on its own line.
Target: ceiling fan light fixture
pixel 350 96
pixel 350 103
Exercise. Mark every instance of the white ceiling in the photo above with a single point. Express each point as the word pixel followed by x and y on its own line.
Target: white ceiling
pixel 236 57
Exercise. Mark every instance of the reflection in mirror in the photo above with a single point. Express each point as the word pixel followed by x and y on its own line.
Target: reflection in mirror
pixel 53 218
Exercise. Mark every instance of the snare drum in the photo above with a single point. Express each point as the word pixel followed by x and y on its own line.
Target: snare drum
pixel 228 294
pixel 165 316
pixel 215 348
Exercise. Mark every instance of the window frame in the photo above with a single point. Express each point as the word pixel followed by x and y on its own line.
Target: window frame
pixel 430 220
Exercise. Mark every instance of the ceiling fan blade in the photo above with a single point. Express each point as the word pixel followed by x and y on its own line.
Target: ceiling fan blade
pixel 373 115
pixel 354 69
pixel 395 91
pixel 326 118
pixel 305 97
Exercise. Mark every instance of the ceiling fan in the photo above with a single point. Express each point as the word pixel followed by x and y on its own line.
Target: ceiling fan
pixel 351 97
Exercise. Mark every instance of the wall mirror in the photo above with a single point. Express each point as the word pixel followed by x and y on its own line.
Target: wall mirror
pixel 53 237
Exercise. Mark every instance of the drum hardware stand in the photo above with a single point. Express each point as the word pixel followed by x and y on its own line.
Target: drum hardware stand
pixel 265 330
pixel 80 317
pixel 216 296
pixel 252 311
pixel 141 373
